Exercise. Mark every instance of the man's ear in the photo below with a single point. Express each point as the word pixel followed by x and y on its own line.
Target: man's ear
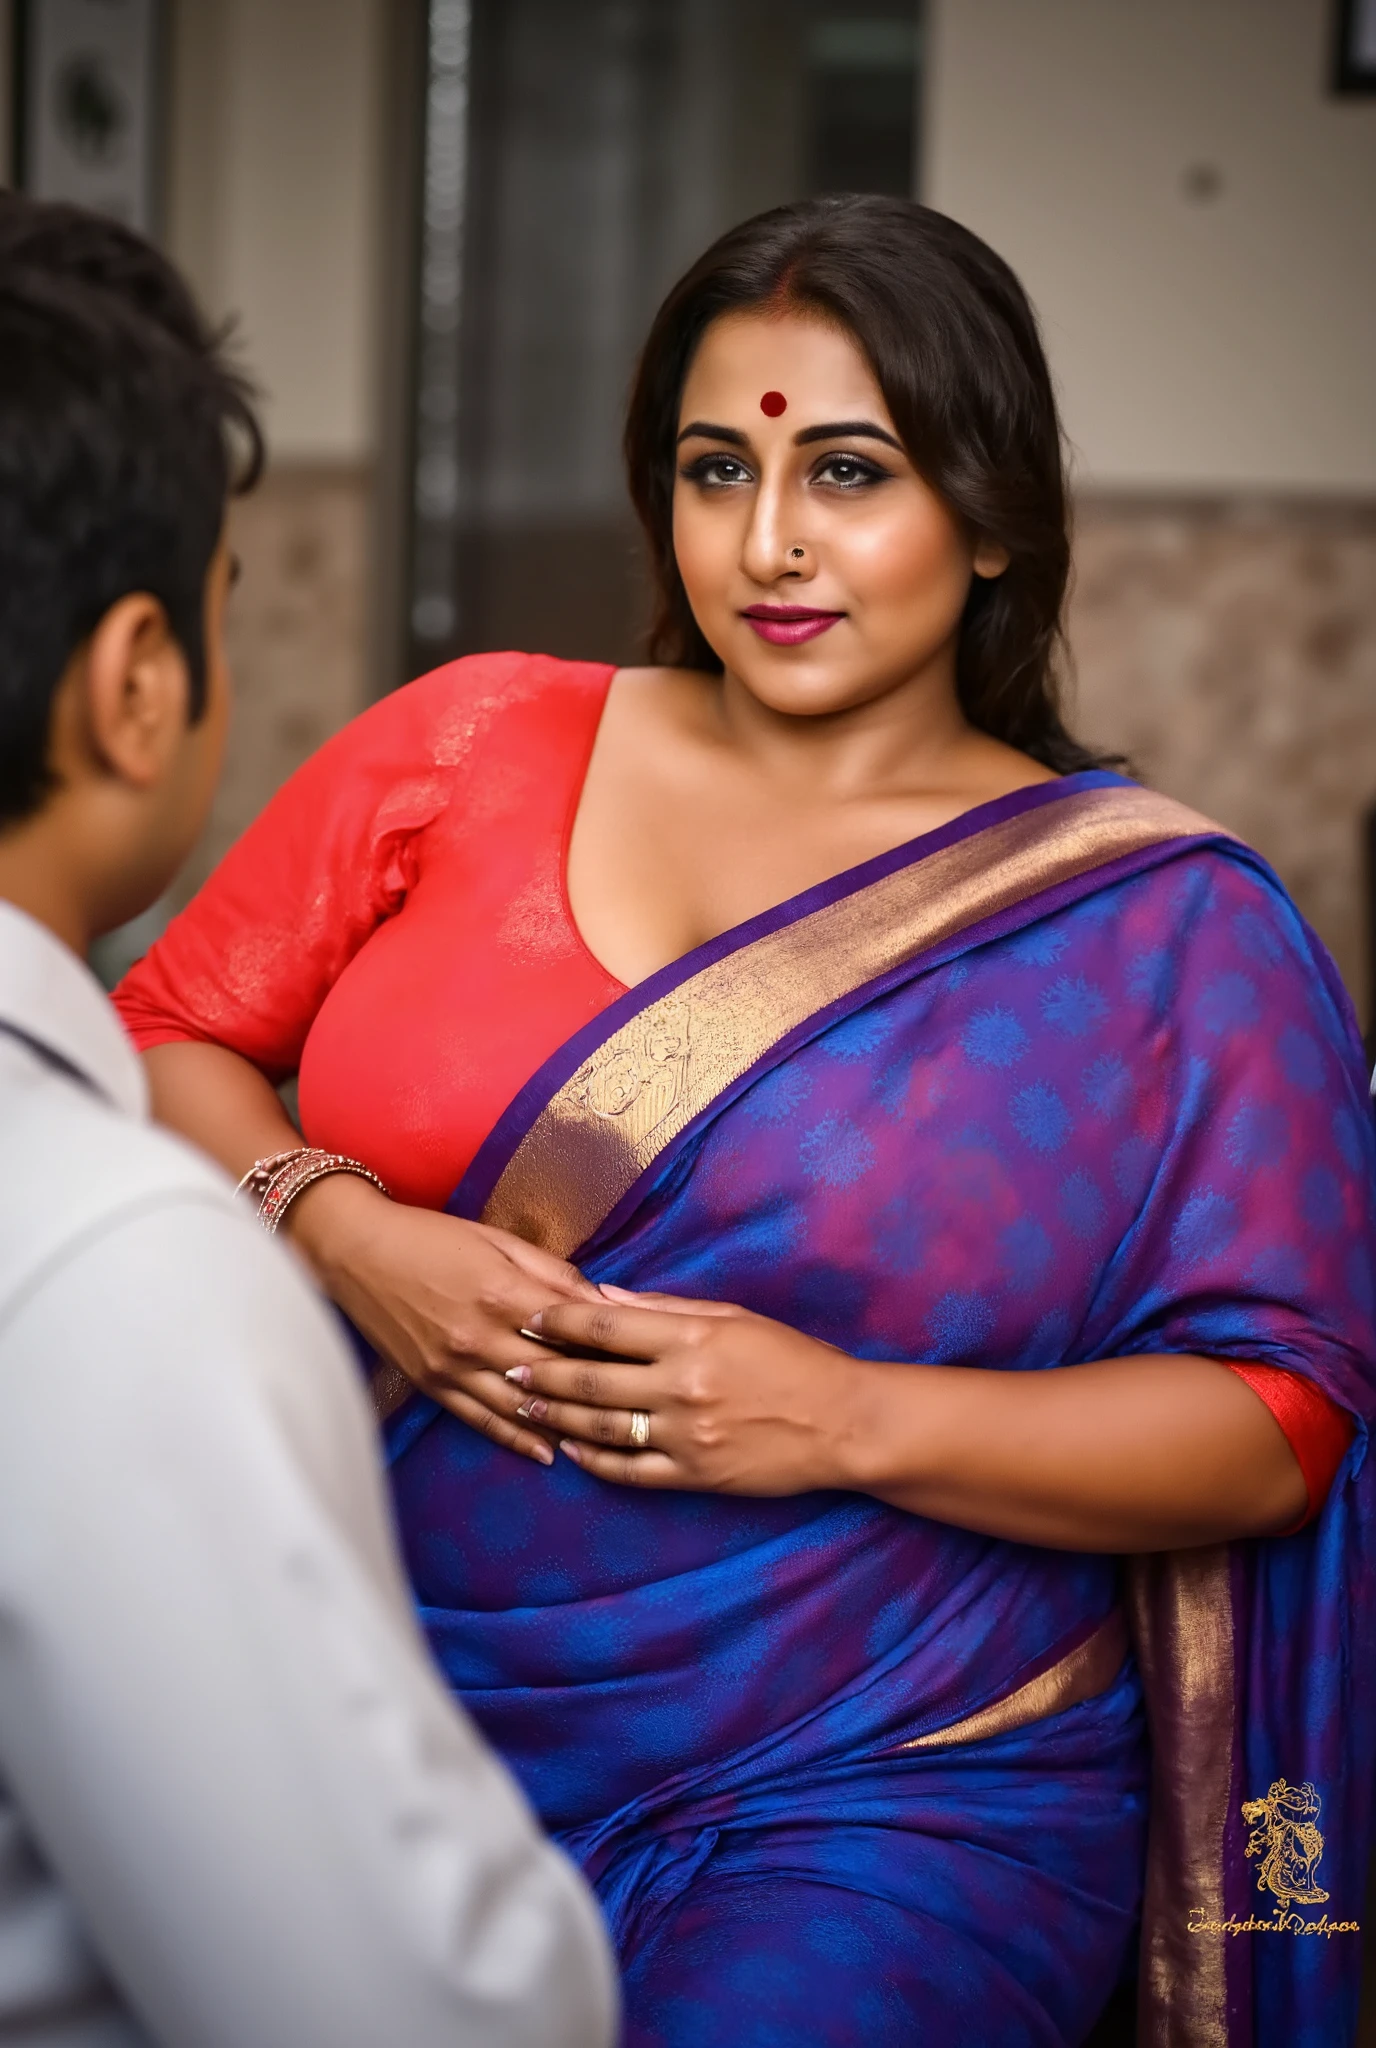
pixel 137 691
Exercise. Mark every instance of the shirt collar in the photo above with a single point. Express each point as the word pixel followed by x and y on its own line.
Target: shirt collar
pixel 53 999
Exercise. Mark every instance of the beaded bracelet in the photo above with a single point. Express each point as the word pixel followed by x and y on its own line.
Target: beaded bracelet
pixel 278 1180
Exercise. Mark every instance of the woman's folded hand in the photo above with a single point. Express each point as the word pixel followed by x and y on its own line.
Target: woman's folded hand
pixel 729 1402
pixel 442 1299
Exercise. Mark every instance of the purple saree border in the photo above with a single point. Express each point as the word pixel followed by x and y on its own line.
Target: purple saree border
pixel 490 1160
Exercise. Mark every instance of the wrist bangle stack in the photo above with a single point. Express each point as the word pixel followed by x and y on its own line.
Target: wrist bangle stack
pixel 275 1182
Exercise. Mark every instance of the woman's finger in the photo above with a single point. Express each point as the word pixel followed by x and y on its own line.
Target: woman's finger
pixel 587 1381
pixel 511 1435
pixel 625 1468
pixel 609 1428
pixel 495 1351
pixel 629 1332
pixel 542 1266
pixel 671 1304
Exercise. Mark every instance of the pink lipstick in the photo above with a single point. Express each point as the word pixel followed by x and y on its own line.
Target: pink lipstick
pixel 787 625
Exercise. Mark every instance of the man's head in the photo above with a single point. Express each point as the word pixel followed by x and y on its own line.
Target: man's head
pixel 120 426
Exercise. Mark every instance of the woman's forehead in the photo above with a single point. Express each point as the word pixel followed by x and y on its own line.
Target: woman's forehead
pixel 814 365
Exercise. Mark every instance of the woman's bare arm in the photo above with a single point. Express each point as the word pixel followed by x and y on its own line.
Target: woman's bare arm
pixel 443 1299
pixel 220 1101
pixel 226 1106
pixel 1123 1454
pixel 1126 1454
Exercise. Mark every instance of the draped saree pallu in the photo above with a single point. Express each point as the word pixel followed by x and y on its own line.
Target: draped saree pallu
pixel 1066 1079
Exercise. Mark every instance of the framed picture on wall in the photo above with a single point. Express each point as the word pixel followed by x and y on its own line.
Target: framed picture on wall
pixel 87 77
pixel 1354 64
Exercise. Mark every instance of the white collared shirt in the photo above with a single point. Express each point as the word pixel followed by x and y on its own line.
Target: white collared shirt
pixel 237 1807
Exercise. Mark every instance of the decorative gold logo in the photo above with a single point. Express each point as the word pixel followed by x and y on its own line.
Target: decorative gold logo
pixel 1285 1835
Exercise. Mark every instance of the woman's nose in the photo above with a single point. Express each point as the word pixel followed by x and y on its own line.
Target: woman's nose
pixel 772 548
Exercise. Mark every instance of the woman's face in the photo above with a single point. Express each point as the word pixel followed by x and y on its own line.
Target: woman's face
pixel 821 568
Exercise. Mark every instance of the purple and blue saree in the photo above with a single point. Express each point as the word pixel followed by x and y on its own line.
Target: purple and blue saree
pixel 1068 1079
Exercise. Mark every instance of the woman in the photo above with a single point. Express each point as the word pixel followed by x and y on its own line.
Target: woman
pixel 844 1028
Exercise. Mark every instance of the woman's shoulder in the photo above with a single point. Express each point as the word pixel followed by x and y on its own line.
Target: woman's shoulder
pixel 441 718
pixel 1214 932
pixel 474 689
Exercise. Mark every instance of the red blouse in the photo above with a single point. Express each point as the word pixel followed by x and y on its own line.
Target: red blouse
pixel 396 928
pixel 395 924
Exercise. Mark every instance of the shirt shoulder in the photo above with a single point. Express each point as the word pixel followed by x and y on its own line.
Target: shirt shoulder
pixel 76 1165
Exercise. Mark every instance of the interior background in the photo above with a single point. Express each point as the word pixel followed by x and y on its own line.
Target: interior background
pixel 1188 204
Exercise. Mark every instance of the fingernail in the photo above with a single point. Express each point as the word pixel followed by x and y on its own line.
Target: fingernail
pixel 532 1411
pixel 536 1322
pixel 519 1373
pixel 616 1293
pixel 571 1451
pixel 544 1454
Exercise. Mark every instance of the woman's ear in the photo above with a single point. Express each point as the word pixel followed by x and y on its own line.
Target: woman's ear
pixel 137 691
pixel 991 559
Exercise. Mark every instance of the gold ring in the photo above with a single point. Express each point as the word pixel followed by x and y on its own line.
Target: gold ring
pixel 640 1428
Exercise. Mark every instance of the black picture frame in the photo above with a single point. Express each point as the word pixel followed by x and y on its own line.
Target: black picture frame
pixel 88 89
pixel 1354 47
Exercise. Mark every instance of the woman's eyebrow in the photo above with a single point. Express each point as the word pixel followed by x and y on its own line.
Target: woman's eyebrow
pixel 706 431
pixel 847 430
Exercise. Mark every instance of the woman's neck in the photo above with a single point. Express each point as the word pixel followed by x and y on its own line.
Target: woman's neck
pixel 911 738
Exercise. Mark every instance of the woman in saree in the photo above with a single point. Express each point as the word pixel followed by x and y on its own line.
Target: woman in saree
pixel 872 1303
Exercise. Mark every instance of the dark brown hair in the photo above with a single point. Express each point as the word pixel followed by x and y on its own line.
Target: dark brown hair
pixel 954 345
pixel 123 427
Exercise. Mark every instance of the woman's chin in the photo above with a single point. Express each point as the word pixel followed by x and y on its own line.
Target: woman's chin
pixel 800 682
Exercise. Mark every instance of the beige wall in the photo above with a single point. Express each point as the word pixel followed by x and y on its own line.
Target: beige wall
pixel 274 172
pixel 1200 342
pixel 274 177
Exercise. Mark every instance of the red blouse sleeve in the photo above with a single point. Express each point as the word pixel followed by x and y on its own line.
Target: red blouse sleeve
pixel 1316 1429
pixel 250 960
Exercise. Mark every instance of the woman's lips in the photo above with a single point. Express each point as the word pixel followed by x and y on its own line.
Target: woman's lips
pixel 788 624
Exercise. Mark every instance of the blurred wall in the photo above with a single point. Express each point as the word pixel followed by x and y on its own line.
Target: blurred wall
pixel 6 81
pixel 1192 212
pixel 273 175
pixel 273 183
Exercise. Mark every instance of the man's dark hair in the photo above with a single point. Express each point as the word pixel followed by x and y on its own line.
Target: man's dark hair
pixel 123 430
pixel 954 347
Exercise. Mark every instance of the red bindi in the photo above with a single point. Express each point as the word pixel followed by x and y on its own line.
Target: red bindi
pixel 773 403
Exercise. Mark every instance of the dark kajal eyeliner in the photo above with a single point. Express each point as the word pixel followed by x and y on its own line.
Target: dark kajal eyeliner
pixel 866 470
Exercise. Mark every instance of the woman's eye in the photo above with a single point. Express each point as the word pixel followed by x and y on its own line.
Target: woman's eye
pixel 849 471
pixel 716 470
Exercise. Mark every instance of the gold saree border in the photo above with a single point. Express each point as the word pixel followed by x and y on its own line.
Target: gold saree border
pixel 1181 1608
pixel 647 1082
pixel 1082 1674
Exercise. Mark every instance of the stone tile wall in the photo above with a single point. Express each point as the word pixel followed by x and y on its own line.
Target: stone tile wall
pixel 298 634
pixel 1229 648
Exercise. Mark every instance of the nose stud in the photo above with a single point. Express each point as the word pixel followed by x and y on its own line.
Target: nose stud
pixel 796 553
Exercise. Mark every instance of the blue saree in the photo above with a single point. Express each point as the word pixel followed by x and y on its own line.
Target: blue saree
pixel 1067 1079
